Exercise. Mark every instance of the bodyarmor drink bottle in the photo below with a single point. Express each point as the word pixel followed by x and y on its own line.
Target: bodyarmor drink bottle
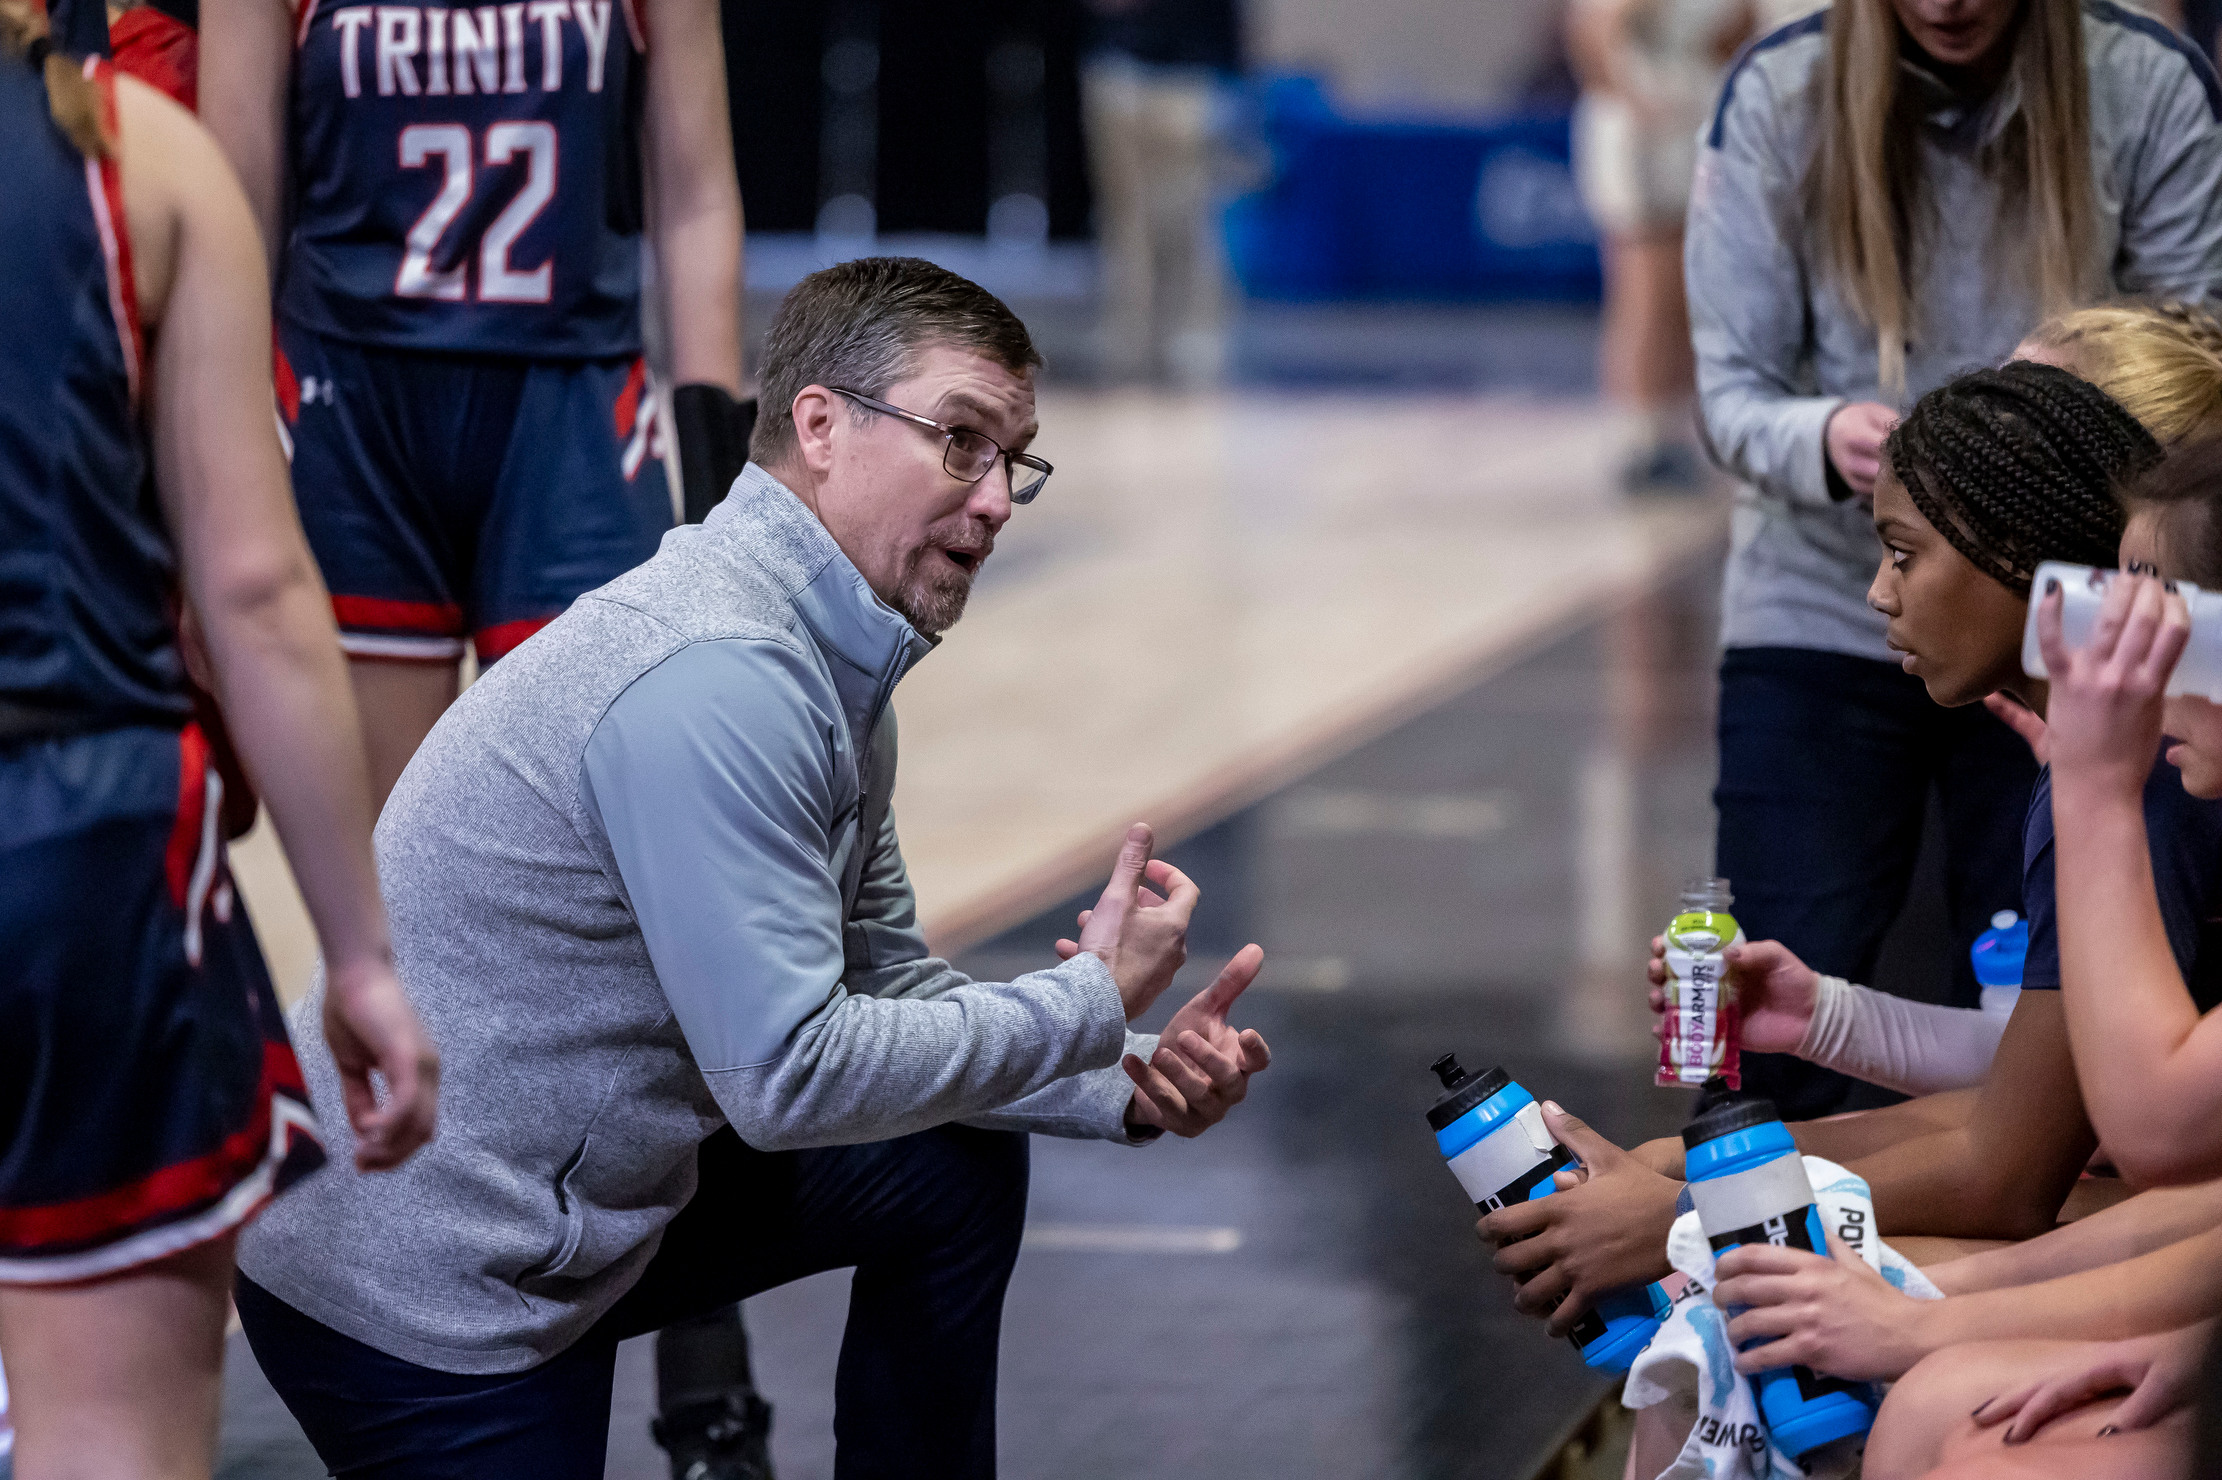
pixel 1492 1133
pixel 1749 1185
pixel 1700 1040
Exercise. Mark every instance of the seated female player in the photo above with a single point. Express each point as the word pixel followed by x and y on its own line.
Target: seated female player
pixel 2105 704
pixel 1996 1162
pixel 1965 535
pixel 2163 364
pixel 2149 1063
pixel 2146 1057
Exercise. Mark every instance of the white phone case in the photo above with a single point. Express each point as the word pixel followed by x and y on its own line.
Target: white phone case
pixel 2083 591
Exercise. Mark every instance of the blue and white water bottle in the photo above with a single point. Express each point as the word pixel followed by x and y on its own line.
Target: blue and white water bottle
pixel 1998 955
pixel 1749 1185
pixel 1492 1133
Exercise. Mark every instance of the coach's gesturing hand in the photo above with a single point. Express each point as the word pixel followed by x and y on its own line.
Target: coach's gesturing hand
pixel 1202 1066
pixel 1140 934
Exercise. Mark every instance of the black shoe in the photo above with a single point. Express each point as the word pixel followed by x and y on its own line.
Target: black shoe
pixel 726 1438
pixel 1667 469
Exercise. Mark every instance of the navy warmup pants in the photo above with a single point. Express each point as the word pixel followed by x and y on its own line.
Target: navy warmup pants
pixel 1826 762
pixel 931 1223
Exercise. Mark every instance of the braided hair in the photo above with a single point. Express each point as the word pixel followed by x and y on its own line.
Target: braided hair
pixel 2018 465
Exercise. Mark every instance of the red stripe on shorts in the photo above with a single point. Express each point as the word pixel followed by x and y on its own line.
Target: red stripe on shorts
pixel 192 794
pixel 498 640
pixel 439 618
pixel 628 399
pixel 173 1189
pixel 281 370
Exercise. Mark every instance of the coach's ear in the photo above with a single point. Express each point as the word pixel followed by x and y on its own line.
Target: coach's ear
pixel 815 413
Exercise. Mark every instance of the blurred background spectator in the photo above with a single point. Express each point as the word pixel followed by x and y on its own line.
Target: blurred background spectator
pixel 1649 71
pixel 1151 85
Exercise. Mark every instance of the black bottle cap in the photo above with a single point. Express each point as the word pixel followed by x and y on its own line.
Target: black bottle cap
pixel 1461 1091
pixel 1722 1120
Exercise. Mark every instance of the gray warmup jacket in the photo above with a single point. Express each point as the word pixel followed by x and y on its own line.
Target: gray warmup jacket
pixel 643 883
pixel 1778 350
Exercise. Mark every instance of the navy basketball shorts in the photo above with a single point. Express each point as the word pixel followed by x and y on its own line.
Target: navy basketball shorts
pixel 466 496
pixel 149 1098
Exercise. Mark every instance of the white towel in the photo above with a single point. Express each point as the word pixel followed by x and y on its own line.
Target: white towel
pixel 1689 1363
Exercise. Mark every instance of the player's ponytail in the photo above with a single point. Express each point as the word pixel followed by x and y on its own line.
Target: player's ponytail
pixel 70 94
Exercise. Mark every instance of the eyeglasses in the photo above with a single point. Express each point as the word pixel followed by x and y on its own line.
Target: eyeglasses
pixel 969 455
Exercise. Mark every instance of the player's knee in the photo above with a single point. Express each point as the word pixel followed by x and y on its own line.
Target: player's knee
pixel 1937 1394
pixel 1935 1403
pixel 1960 1379
pixel 1935 1378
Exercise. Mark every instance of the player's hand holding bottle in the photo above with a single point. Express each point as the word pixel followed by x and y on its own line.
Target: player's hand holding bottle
pixel 1774 989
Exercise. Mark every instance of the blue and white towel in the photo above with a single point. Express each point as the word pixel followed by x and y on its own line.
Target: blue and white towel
pixel 1690 1364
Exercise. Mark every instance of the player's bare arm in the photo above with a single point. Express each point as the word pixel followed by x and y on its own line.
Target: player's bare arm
pixel 246 57
pixel 694 197
pixel 204 303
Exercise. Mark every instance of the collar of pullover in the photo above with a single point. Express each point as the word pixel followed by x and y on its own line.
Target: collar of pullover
pixel 1965 118
pixel 762 520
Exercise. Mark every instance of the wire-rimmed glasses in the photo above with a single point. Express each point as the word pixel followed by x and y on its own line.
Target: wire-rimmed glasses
pixel 968 455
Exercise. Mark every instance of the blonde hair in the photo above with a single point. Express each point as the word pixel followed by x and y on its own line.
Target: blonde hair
pixel 2162 362
pixel 1865 192
pixel 70 95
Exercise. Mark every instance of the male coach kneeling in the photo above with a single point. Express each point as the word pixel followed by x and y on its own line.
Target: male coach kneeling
pixel 646 894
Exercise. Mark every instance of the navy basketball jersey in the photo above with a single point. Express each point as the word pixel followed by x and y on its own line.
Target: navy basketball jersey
pixel 468 178
pixel 86 568
pixel 79 27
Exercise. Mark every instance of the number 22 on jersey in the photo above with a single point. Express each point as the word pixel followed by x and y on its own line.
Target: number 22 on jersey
pixel 452 146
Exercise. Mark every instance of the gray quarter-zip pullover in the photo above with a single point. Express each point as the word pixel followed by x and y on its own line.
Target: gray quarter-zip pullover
pixel 643 883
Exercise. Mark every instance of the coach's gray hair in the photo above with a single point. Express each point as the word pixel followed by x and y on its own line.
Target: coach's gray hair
pixel 859 325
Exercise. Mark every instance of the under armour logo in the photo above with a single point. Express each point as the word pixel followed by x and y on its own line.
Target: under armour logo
pixel 314 390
